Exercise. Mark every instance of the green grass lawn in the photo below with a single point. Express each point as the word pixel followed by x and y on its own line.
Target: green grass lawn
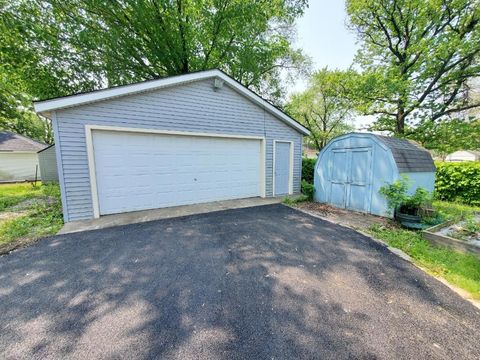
pixel 12 194
pixel 455 211
pixel 462 270
pixel 40 217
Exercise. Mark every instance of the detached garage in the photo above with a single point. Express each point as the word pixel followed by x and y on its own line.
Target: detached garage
pixel 181 140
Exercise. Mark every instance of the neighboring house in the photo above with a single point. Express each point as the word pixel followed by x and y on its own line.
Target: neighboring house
pixel 352 168
pixel 463 155
pixel 180 140
pixel 18 157
pixel 48 164
pixel 309 152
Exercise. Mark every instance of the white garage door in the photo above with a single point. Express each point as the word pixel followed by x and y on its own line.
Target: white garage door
pixel 137 171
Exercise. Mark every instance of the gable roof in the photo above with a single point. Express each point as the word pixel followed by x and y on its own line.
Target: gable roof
pixel 47 106
pixel 48 147
pixel 409 156
pixel 460 155
pixel 10 141
pixel 473 152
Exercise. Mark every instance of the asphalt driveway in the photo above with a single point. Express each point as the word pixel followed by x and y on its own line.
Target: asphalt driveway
pixel 260 283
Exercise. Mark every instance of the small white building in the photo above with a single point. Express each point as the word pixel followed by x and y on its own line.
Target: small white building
pixel 463 155
pixel 18 157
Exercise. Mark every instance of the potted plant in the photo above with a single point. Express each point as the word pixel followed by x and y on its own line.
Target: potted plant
pixel 405 208
pixel 409 210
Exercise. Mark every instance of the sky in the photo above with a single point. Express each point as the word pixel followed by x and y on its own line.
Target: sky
pixel 323 35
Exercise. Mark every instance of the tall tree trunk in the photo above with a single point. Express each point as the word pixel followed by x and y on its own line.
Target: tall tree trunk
pixel 400 118
pixel 181 27
pixel 324 129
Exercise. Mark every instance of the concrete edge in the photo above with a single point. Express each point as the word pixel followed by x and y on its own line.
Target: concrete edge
pixel 144 216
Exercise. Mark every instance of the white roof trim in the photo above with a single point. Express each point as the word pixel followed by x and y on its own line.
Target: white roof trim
pixel 45 107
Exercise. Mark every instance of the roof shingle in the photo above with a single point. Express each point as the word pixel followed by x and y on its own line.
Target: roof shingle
pixel 408 156
pixel 10 141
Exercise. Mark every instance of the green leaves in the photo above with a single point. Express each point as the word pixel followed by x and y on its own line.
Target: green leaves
pixel 308 169
pixel 449 135
pixel 397 195
pixel 86 44
pixel 326 107
pixel 458 182
pixel 421 56
pixel 308 190
pixel 51 48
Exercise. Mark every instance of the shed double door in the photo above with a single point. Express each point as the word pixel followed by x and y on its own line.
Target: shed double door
pixel 350 178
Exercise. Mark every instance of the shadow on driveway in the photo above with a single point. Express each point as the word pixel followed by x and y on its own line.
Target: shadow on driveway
pixel 259 283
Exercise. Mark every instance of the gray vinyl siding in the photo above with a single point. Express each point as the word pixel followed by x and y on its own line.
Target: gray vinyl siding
pixel 48 164
pixel 193 107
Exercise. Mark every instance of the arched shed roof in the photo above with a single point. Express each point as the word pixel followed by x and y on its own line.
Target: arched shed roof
pixel 408 156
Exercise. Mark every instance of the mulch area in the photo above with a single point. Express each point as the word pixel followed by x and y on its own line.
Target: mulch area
pixel 352 219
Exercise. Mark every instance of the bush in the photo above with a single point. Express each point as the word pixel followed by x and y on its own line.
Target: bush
pixel 308 168
pixel 458 182
pixel 398 199
pixel 308 190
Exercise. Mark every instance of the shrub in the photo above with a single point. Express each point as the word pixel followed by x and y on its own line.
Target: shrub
pixel 395 193
pixel 308 190
pixel 398 199
pixel 294 201
pixel 308 168
pixel 458 182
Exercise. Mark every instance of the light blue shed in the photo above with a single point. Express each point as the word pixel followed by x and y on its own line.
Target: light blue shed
pixel 352 168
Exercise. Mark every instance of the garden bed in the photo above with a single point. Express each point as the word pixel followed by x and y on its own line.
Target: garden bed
pixel 452 234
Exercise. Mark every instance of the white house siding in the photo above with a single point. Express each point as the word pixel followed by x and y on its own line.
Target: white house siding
pixel 462 155
pixel 48 164
pixel 18 166
pixel 193 107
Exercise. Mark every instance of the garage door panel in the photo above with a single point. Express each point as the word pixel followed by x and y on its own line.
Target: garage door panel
pixel 143 171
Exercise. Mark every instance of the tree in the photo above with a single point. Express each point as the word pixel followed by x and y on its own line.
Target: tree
pixel 418 57
pixel 21 79
pixel 324 107
pixel 450 135
pixel 15 112
pixel 78 45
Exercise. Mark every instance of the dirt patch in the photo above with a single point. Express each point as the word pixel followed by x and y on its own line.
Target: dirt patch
pixel 16 244
pixel 347 218
pixel 23 208
pixel 9 215
pixel 29 203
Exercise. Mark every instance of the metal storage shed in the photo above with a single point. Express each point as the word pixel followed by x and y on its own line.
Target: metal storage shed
pixel 179 140
pixel 352 168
